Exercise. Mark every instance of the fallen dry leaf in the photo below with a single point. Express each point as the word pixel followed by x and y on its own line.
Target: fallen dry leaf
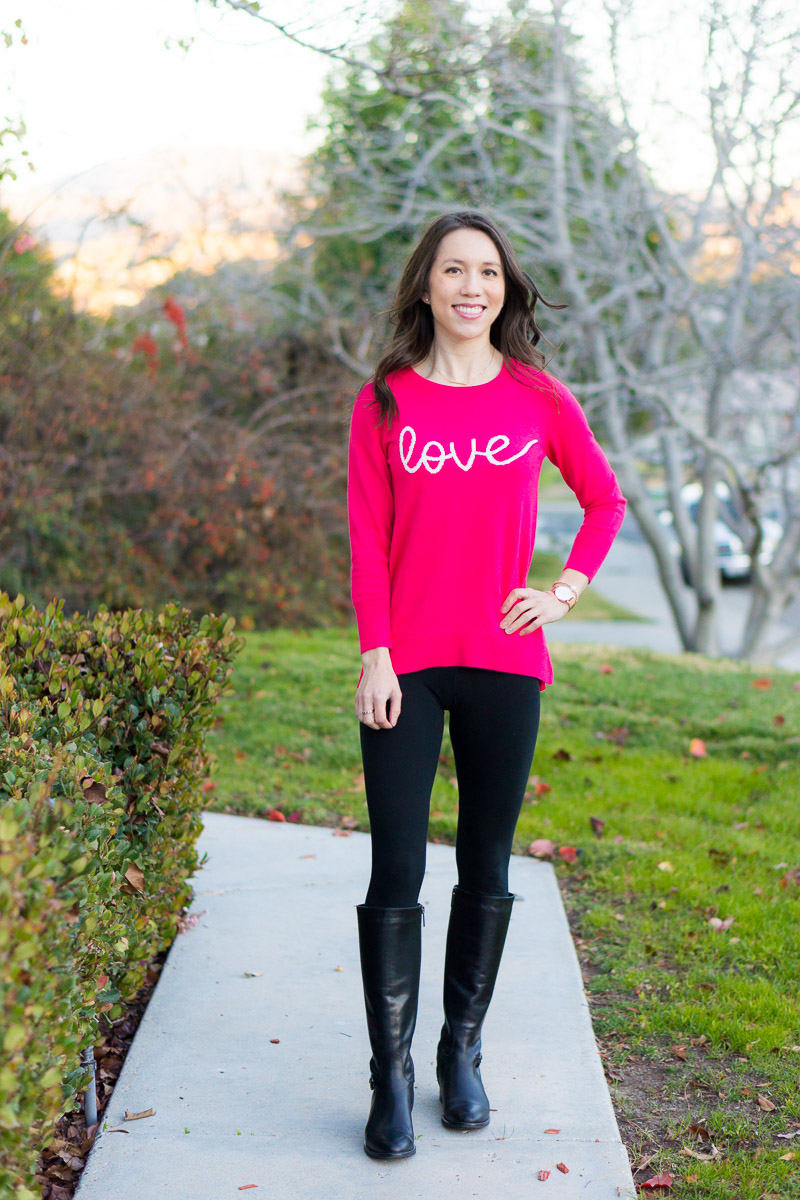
pixel 665 866
pixel 766 1104
pixel 245 1186
pixel 697 748
pixel 703 1156
pixel 761 685
pixel 306 856
pixel 275 1041
pixel 137 1116
pixel 94 792
pixel 564 1170
pixel 59 1171
pixel 597 825
pixel 718 925
pixel 568 853
pixel 559 1131
pixel 605 668
pixel 252 974
pixel 542 848
pixel 680 1052
pixel 275 814
pixel 541 788
pixel 664 1180
pixel 790 1157
pixel 543 1175
pixel 135 877
pixel 59 1145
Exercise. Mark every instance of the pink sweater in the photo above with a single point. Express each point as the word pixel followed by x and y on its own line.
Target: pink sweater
pixel 442 515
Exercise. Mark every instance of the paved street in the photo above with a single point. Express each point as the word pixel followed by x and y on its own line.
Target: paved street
pixel 628 576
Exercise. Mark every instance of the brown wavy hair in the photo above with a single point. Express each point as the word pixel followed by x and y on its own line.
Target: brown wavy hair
pixel 514 332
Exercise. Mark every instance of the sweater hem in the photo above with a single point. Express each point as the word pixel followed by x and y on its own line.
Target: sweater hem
pixel 454 648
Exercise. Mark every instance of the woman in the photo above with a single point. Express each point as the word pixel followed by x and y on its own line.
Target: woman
pixel 446 445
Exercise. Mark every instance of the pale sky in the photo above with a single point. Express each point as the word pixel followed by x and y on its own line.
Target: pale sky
pixel 97 82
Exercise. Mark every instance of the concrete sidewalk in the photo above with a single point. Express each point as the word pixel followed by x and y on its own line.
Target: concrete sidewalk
pixel 233 1107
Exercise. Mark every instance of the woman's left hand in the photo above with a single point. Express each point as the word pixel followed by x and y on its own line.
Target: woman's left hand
pixel 529 609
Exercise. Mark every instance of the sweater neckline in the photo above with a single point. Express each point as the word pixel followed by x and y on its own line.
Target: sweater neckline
pixel 458 387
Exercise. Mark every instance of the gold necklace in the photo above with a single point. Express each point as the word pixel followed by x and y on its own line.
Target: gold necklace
pixel 458 383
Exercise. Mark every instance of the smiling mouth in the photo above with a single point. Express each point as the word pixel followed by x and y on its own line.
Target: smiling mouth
pixel 469 310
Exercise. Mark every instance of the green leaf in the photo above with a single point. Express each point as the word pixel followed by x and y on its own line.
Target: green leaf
pixel 15 1037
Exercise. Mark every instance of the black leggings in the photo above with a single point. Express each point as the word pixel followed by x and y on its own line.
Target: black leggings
pixel 494 719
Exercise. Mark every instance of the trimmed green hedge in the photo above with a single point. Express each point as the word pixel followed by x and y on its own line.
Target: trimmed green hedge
pixel 102 756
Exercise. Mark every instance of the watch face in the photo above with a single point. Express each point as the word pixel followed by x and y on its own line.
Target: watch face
pixel 562 593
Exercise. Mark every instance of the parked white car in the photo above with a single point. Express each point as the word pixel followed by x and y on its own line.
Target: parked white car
pixel 732 557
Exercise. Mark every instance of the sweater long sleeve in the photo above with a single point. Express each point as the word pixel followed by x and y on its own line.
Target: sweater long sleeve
pixel 442 514
pixel 370 511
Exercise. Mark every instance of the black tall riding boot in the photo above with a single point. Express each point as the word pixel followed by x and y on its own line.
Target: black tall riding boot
pixel 390 941
pixel 475 939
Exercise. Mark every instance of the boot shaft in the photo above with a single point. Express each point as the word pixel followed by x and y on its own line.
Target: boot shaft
pixel 476 937
pixel 390 945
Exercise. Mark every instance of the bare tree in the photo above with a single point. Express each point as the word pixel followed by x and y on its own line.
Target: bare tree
pixel 724 400
pixel 683 318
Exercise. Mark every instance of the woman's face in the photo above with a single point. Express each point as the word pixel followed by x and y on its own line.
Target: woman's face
pixel 466 285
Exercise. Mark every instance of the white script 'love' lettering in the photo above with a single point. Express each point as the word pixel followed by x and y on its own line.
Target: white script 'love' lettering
pixel 433 455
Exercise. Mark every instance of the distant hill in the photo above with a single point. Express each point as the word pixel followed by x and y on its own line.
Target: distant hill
pixel 125 225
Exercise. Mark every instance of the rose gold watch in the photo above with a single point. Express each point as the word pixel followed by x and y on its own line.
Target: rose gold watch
pixel 566 592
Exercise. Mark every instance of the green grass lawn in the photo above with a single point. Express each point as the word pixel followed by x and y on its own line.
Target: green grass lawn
pixel 684 896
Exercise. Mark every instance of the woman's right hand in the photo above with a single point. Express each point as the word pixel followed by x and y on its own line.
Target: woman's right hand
pixel 379 690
